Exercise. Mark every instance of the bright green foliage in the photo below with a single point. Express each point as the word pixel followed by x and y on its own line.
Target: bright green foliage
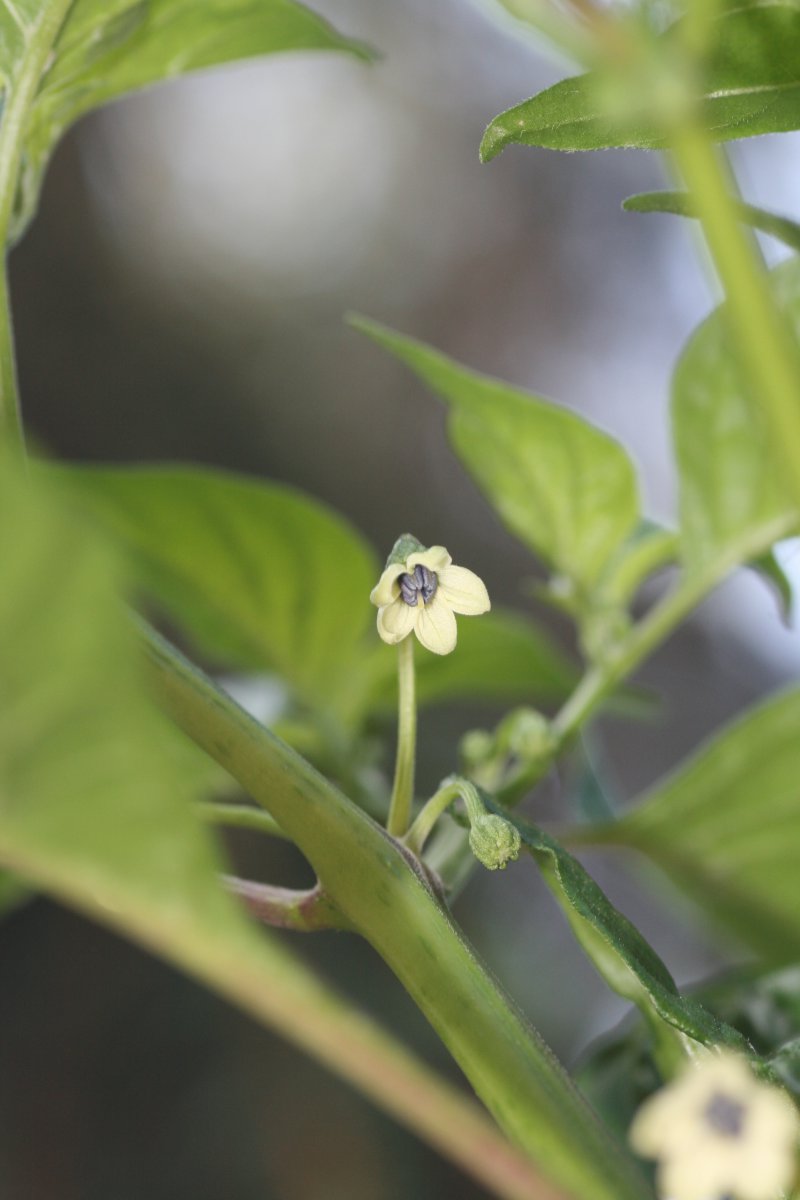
pixel 262 576
pixel 681 204
pixel 730 486
pixel 726 827
pixel 751 85
pixel 622 956
pixel 265 578
pixel 106 48
pixel 91 797
pixel 560 485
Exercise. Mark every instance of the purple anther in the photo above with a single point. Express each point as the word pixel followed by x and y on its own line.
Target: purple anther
pixel 725 1116
pixel 421 583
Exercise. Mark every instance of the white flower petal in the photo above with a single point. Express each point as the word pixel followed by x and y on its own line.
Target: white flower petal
pixel 387 588
pixel 436 626
pixel 703 1176
pixel 395 621
pixel 464 591
pixel 435 558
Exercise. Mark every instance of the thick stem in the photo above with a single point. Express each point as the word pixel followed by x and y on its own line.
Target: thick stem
pixel 403 788
pixel 765 344
pixel 372 881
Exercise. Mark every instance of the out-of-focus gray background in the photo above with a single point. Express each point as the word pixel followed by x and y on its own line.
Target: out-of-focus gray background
pixel 181 297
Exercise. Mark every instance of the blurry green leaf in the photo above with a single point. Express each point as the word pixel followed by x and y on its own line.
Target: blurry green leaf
pixel 560 485
pixel 726 827
pixel 649 549
pixel 729 484
pixel 500 656
pixel 751 85
pixel 626 961
pixel 771 571
pixel 13 892
pixel 262 576
pixel 105 48
pixel 681 204
pixel 91 799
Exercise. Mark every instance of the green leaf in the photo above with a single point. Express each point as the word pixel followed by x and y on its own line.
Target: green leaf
pixel 619 952
pixel 726 827
pixel 681 204
pixel 500 656
pixel 564 488
pixel 106 48
pixel 649 549
pixel 93 811
pixel 260 575
pixel 13 892
pixel 751 86
pixel 729 485
pixel 771 571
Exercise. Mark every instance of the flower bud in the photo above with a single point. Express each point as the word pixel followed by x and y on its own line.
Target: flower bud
pixel 494 841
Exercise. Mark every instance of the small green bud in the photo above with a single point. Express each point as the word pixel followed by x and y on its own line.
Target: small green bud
pixel 527 734
pixel 494 841
pixel 476 746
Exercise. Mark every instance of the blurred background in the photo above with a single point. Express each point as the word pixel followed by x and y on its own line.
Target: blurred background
pixel 181 297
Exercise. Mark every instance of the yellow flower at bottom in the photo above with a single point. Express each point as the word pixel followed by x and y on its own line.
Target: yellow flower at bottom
pixel 717 1131
pixel 422 593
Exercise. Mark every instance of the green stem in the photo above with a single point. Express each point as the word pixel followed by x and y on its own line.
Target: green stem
pixel 241 816
pixel 767 349
pixel 377 886
pixel 439 802
pixel 20 91
pixel 304 912
pixel 12 435
pixel 659 623
pixel 403 788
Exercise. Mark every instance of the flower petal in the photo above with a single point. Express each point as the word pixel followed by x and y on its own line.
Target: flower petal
pixel 387 588
pixel 395 621
pixel 702 1176
pixel 435 558
pixel 464 591
pixel 436 626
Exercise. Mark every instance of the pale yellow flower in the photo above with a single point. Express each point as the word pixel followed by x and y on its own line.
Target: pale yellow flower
pixel 717 1131
pixel 422 593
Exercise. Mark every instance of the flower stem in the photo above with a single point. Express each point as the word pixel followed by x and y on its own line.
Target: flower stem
pixel 403 787
pixel 439 802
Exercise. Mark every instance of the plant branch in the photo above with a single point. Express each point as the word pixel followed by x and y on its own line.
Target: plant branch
pixel 19 94
pixel 373 882
pixel 765 344
pixel 241 816
pixel 659 623
pixel 305 912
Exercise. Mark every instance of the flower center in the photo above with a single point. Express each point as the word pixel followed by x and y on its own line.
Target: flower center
pixel 420 582
pixel 725 1116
